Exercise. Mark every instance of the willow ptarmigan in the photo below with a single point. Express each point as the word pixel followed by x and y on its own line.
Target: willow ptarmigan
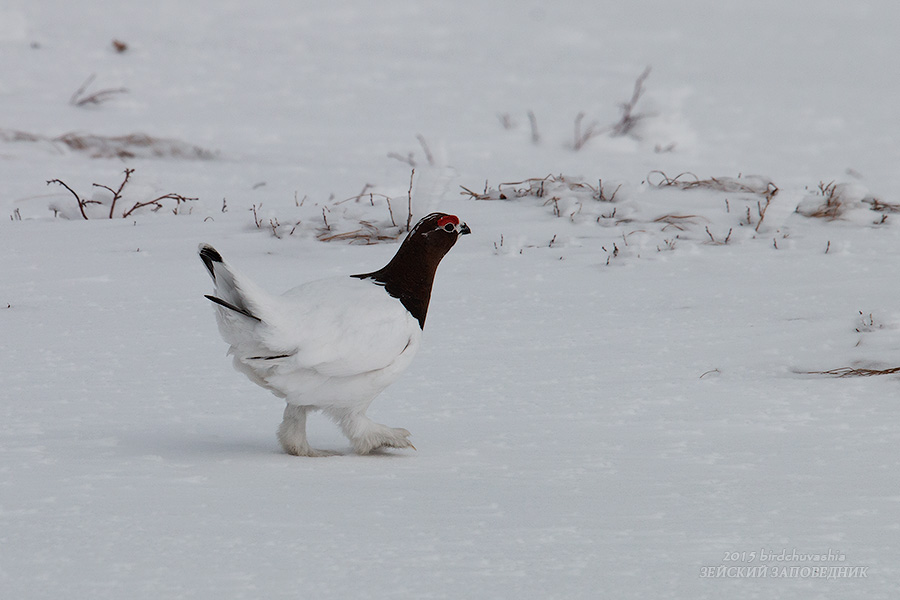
pixel 334 344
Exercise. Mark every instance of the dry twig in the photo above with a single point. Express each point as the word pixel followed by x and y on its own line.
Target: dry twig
pixel 854 372
pixel 117 193
pixel 629 118
pixel 81 203
pixel 408 159
pixel 679 222
pixel 80 99
pixel 535 136
pixel 583 136
pixel 428 156
pixel 368 233
pixel 409 201
pixel 881 206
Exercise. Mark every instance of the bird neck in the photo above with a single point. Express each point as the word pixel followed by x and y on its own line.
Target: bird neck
pixel 408 277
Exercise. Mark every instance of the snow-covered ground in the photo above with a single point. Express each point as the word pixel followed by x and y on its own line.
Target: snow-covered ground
pixel 613 397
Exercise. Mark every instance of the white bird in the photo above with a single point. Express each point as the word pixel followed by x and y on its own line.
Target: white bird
pixel 334 344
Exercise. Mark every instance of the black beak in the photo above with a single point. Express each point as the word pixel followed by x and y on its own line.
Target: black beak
pixel 464 229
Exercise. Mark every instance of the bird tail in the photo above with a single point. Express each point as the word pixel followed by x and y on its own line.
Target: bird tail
pixel 233 292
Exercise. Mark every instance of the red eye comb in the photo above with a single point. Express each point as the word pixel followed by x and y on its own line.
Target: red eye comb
pixel 448 219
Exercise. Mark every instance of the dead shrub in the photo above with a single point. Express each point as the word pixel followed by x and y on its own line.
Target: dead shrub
pixel 832 205
pixel 844 372
pixel 624 126
pixel 752 184
pixel 539 187
pixel 133 145
pixel 86 205
pixel 353 220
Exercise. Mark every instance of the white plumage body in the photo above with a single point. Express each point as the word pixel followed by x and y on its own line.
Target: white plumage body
pixel 339 341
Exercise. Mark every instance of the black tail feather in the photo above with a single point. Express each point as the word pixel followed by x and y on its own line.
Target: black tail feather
pixel 230 306
pixel 209 255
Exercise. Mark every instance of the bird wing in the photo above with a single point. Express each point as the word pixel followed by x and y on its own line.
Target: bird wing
pixel 339 327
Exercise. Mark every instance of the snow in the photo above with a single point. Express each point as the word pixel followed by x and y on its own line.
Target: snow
pixel 604 405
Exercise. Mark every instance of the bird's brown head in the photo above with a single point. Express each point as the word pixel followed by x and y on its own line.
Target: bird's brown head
pixel 424 247
pixel 434 235
pixel 410 274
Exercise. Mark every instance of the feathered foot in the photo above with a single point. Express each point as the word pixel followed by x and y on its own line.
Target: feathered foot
pixel 366 435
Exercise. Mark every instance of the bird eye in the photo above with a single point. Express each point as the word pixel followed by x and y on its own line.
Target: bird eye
pixel 449 227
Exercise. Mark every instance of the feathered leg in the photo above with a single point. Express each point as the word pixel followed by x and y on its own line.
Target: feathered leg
pixel 292 432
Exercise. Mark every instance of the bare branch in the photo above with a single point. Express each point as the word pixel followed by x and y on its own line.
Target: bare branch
pixel 535 136
pixel 391 212
pixel 74 99
pixel 157 203
pixel 116 193
pixel 81 202
pixel 409 201
pixel 98 97
pixel 629 119
pixel 408 159
pixel 762 212
pixel 425 149
pixel 582 137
